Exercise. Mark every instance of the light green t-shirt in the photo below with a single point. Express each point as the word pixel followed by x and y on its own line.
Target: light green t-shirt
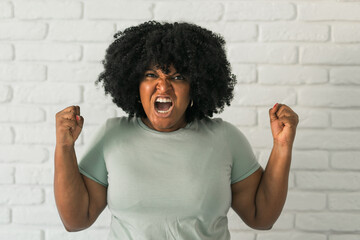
pixel 168 185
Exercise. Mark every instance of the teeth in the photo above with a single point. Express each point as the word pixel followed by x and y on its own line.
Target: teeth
pixel 163 100
pixel 163 111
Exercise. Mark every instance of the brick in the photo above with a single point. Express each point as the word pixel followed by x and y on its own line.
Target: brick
pixel 96 114
pixel 348 160
pixel 349 33
pixel 18 114
pixel 36 134
pixel 263 11
pixel 328 221
pixel 258 138
pixel 47 93
pixel 95 52
pixel 308 118
pixel 345 76
pixel 188 11
pixel 22 30
pixel 45 216
pixel 330 54
pixel 262 53
pixel 327 180
pixel 4 215
pixel 122 25
pixel 263 156
pixel 74 72
pixel 49 193
pixel 5 94
pixel 233 31
pixel 330 139
pixel 118 10
pixel 256 95
pixel 305 201
pixel 329 96
pixel 285 221
pixel 244 73
pixel 239 116
pixel 23 154
pixel 328 11
pixel 40 9
pixel 41 175
pixel 15 195
pixel 6 52
pixel 96 95
pixel 6 9
pixel 291 75
pixel 290 235
pixel 307 160
pixel 7 135
pixel 311 118
pixel 344 201
pixel 16 233
pixel 74 31
pixel 6 174
pixel 22 72
pixel 345 118
pixel 343 237
pixel 294 32
pixel 48 52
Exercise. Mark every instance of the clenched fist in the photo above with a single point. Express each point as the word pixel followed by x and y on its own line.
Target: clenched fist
pixel 283 122
pixel 69 124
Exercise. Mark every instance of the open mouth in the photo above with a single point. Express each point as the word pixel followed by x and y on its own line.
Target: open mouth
pixel 163 105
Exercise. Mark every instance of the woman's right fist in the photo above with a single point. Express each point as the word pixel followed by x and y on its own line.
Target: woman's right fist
pixel 68 126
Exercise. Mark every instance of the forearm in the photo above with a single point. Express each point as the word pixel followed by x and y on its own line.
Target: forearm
pixel 71 195
pixel 273 187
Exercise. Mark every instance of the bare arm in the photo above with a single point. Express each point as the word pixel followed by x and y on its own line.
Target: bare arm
pixel 79 200
pixel 259 199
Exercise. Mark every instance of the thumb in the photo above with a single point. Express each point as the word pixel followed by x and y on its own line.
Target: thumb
pixel 80 121
pixel 272 113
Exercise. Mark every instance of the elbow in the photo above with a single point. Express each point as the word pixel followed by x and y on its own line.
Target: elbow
pixel 69 229
pixel 75 227
pixel 263 227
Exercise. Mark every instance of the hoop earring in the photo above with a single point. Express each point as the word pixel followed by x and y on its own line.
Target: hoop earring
pixel 192 103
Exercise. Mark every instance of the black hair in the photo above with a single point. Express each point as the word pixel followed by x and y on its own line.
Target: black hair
pixel 195 52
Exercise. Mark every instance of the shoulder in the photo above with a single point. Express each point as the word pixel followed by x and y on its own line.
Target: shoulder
pixel 230 132
pixel 110 124
pixel 119 121
pixel 217 123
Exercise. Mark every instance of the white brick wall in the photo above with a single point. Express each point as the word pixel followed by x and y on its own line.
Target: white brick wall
pixel 303 53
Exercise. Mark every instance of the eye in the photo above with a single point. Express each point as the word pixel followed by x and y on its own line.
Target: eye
pixel 179 77
pixel 150 75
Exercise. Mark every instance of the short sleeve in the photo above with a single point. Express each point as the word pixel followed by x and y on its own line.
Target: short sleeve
pixel 244 159
pixel 92 163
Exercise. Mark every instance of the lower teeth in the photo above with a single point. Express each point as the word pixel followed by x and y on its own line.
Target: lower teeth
pixel 163 111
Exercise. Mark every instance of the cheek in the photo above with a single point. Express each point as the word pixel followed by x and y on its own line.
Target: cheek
pixel 144 90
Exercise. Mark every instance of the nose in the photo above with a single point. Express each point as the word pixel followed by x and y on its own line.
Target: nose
pixel 163 84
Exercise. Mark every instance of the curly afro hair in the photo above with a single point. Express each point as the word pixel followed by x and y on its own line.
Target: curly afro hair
pixel 195 52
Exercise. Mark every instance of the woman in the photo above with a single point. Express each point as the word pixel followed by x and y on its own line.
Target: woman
pixel 169 171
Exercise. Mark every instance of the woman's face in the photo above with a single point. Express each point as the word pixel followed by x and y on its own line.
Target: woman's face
pixel 164 99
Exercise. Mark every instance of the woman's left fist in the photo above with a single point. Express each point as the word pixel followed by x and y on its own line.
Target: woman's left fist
pixel 283 123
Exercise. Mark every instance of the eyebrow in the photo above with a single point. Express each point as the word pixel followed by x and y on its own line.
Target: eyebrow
pixel 151 69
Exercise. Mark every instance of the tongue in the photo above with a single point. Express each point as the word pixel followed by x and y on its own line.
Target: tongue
pixel 163 106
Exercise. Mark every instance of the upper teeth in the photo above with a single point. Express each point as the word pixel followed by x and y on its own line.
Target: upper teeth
pixel 163 100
